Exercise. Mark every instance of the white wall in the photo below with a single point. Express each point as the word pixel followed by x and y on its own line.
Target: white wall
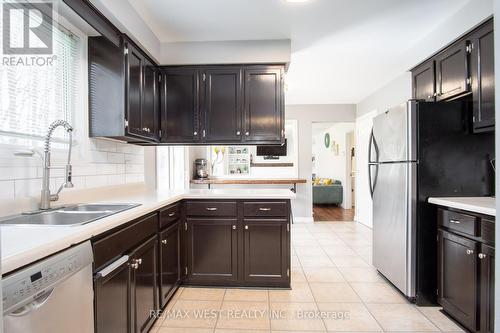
pixel 306 115
pixel 328 164
pixel 226 52
pixel 123 15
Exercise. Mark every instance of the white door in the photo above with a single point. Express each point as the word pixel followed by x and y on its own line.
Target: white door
pixel 363 203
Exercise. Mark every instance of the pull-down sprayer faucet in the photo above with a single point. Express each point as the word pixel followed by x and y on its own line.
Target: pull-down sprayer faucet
pixel 46 196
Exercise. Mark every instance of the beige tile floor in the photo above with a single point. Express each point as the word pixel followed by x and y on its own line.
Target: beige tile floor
pixel 332 275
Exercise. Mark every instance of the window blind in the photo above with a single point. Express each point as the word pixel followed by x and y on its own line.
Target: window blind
pixel 32 97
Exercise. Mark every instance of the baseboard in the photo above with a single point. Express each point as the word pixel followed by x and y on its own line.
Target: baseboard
pixel 303 219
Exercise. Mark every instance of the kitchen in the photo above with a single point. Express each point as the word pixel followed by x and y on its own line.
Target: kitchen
pixel 116 205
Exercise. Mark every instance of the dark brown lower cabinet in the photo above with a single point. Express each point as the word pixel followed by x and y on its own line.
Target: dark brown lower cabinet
pixel 112 301
pixel 212 250
pixel 144 284
pixel 487 288
pixel 457 291
pixel 169 267
pixel 266 251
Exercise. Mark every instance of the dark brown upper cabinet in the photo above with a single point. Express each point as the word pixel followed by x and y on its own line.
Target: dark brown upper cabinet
pixel 223 104
pixel 452 71
pixel 483 78
pixel 424 81
pixel 124 100
pixel 263 105
pixel 180 105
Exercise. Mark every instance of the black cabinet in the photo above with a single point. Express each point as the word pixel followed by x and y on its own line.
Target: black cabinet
pixel 144 287
pixel 466 268
pixel 457 267
pixel 180 105
pixel 483 78
pixel 112 301
pixel 265 251
pixel 124 95
pixel 487 288
pixel 452 71
pixel 212 250
pixel 263 105
pixel 223 104
pixel 424 81
pixel 169 268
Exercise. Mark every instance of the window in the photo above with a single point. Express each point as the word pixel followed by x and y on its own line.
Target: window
pixel 32 97
pixel 171 173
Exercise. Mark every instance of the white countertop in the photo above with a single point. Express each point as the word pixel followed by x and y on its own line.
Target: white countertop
pixel 482 205
pixel 21 245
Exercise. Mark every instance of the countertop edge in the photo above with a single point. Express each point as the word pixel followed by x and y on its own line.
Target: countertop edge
pixel 470 207
pixel 78 234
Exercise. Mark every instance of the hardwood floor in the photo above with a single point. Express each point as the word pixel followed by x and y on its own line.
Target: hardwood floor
pixel 332 213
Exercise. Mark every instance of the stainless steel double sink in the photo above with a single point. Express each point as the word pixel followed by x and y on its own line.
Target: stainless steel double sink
pixel 68 215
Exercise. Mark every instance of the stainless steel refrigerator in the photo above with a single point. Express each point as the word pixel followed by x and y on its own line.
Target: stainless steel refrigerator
pixel 417 150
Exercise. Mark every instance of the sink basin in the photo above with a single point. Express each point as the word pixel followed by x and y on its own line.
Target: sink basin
pixel 69 215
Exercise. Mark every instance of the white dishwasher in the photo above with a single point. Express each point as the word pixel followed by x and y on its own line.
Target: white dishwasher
pixel 51 296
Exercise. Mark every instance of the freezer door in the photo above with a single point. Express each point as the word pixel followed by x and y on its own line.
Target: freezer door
pixel 392 224
pixel 390 136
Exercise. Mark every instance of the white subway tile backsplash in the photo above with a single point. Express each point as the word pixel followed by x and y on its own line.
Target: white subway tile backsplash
pixel 106 163
pixel 116 158
pixel 7 190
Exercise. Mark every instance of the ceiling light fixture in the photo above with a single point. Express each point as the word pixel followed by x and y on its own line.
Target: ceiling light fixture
pixel 296 1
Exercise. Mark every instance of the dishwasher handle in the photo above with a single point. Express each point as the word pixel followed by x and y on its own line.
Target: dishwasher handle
pixel 112 267
pixel 33 304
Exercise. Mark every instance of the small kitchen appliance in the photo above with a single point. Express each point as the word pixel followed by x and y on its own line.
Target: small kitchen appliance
pixel 201 168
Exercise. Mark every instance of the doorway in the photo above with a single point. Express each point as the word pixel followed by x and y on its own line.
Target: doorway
pixel 333 163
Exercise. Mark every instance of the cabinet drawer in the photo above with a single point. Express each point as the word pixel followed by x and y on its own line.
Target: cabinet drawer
pixel 120 242
pixel 170 214
pixel 460 222
pixel 211 208
pixel 265 208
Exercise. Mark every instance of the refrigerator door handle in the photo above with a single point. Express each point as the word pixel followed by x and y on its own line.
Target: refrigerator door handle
pixel 372 182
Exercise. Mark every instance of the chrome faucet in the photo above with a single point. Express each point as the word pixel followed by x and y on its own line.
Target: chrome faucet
pixel 46 196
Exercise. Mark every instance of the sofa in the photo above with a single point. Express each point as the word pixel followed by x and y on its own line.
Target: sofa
pixel 331 194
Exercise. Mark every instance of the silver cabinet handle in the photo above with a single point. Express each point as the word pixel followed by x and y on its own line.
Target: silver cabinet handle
pixel 211 209
pixel 429 96
pixel 481 255
pixel 469 251
pixel 234 227
pixel 455 221
pixel 238 132
pixel 195 133
pixel 264 209
pixel 246 227
pixel 164 242
pixel 247 133
pixel 134 266
pixel 171 214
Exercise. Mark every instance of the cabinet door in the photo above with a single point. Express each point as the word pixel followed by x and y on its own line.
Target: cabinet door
pixel 134 89
pixel 483 78
pixel 112 301
pixel 180 119
pixel 263 105
pixel 457 267
pixel 151 102
pixel 212 250
pixel 452 71
pixel 424 81
pixel 487 288
pixel 223 105
pixel 169 261
pixel 144 284
pixel 266 251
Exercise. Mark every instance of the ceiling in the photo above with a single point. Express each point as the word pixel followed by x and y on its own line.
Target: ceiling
pixel 342 51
